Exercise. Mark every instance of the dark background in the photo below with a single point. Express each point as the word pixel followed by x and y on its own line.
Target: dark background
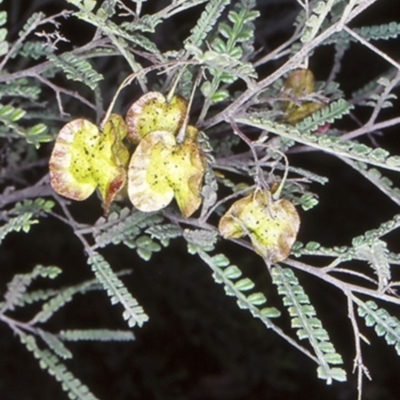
pixel 198 344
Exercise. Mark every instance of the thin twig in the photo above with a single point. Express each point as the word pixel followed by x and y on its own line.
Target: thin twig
pixel 343 286
pixel 358 359
pixel 368 129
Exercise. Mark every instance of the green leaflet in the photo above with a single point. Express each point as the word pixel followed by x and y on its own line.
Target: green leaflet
pixel 145 246
pixel 84 5
pixel 77 69
pixel 10 114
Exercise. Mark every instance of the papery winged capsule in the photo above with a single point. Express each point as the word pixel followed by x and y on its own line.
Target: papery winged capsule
pixel 153 112
pixel 85 158
pixel 272 225
pixel 161 169
pixel 298 85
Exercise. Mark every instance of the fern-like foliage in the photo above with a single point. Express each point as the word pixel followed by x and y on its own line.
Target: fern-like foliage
pixel 373 87
pixel 206 22
pixel 9 116
pixel 329 144
pixel 218 52
pixel 34 50
pixel 37 207
pixel 202 242
pixel 231 277
pixel 31 23
pixel 55 344
pixel 121 226
pixel 58 300
pixel 360 244
pixel 103 335
pixel 164 233
pixel 3 32
pixel 116 290
pixel 20 282
pixel 237 286
pixel 209 192
pixel 36 296
pixel 225 58
pixel 22 222
pixel 304 319
pixel 58 297
pixel 385 98
pixel 319 13
pixel 335 110
pixel 23 88
pixel 200 239
pixel 377 256
pixel 382 182
pixel 126 227
pixel 77 69
pixel 119 32
pixel 50 362
pixel 385 31
pixel 383 323
pixel 49 359
pixel 316 249
pixel 374 234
